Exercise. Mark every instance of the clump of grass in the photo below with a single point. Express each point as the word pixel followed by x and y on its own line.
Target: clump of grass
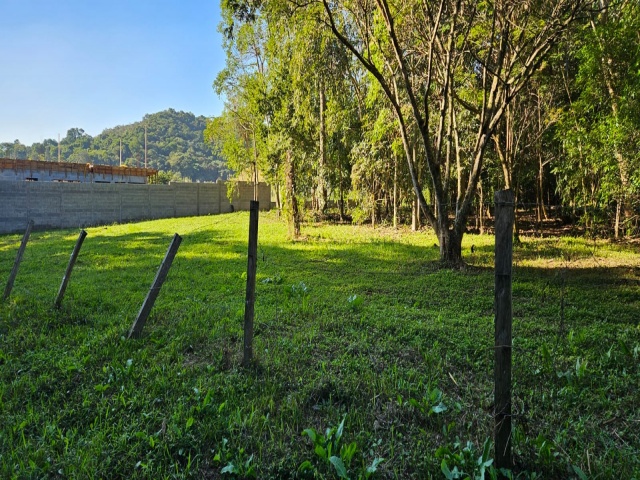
pixel 379 333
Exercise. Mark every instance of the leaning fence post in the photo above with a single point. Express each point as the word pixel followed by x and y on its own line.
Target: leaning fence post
pixel 504 216
pixel 16 264
pixel 147 305
pixel 251 283
pixel 67 273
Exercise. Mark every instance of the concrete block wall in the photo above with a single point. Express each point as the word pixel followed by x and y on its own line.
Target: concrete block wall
pixel 69 205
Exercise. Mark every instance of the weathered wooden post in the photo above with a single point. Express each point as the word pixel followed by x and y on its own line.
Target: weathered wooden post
pixel 67 273
pixel 147 305
pixel 16 264
pixel 251 283
pixel 504 215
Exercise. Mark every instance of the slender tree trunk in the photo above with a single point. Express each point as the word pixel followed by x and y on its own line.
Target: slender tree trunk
pixel 293 214
pixel 539 202
pixel 321 191
pixel 278 202
pixel 373 202
pixel 481 208
pixel 342 216
pixel 516 220
pixel 458 164
pixel 395 191
pixel 415 211
pixel 540 210
pixel 617 225
pixel 255 168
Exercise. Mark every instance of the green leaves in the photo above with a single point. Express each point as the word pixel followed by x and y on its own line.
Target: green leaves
pixel 463 462
pixel 341 470
pixel 430 403
pixel 355 302
pixel 275 280
pixel 328 448
pixel 300 294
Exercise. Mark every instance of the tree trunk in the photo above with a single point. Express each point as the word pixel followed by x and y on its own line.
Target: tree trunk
pixel 321 191
pixel 341 193
pixel 542 212
pixel 539 195
pixel 516 220
pixel 481 208
pixel 255 168
pixel 450 247
pixel 415 211
pixel 278 202
pixel 293 214
pixel 373 210
pixel 617 224
pixel 395 191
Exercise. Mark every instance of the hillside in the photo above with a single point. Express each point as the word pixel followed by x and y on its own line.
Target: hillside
pixel 175 145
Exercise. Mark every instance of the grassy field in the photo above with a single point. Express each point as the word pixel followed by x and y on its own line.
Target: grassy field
pixel 362 342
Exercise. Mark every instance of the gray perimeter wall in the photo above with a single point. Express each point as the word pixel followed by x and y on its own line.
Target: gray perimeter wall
pixel 70 205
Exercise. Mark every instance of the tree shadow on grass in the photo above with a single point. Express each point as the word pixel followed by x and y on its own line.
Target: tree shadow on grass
pixel 419 326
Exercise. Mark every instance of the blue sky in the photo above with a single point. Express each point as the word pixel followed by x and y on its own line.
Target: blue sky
pixel 101 63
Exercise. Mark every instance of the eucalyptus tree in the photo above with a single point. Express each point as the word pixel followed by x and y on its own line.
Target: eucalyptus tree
pixel 433 59
pixel 233 137
pixel 326 87
pixel 238 134
pixel 376 174
pixel 293 79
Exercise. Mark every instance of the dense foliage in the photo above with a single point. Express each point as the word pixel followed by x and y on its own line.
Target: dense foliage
pixel 402 108
pixel 175 145
pixel 353 324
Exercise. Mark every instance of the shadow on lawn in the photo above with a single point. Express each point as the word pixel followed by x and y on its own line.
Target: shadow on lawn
pixel 115 272
pixel 418 323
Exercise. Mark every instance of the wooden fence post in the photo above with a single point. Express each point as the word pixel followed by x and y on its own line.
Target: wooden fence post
pixel 16 264
pixel 504 216
pixel 67 273
pixel 251 283
pixel 147 305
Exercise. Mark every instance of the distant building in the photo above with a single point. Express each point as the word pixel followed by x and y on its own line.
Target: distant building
pixel 38 171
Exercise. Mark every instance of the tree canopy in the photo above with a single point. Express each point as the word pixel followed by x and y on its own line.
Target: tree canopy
pixel 175 145
pixel 396 105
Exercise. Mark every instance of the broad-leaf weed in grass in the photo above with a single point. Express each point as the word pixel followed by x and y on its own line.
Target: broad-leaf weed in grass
pixel 351 321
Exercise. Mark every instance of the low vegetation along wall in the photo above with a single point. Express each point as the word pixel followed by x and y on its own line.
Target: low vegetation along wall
pixel 67 205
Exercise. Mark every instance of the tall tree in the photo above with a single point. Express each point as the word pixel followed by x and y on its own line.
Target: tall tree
pixel 289 78
pixel 449 54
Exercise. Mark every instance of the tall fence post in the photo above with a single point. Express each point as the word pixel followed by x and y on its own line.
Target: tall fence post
pixel 147 305
pixel 16 264
pixel 504 217
pixel 67 273
pixel 251 283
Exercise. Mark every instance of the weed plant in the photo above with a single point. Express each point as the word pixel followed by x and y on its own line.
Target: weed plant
pixel 356 329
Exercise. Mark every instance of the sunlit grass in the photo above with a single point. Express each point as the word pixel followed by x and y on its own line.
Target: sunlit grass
pixel 78 400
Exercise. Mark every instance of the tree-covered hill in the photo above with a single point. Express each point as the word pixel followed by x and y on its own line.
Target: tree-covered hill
pixel 175 145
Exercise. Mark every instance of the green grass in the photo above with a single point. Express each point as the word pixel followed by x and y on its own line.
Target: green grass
pixel 408 360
